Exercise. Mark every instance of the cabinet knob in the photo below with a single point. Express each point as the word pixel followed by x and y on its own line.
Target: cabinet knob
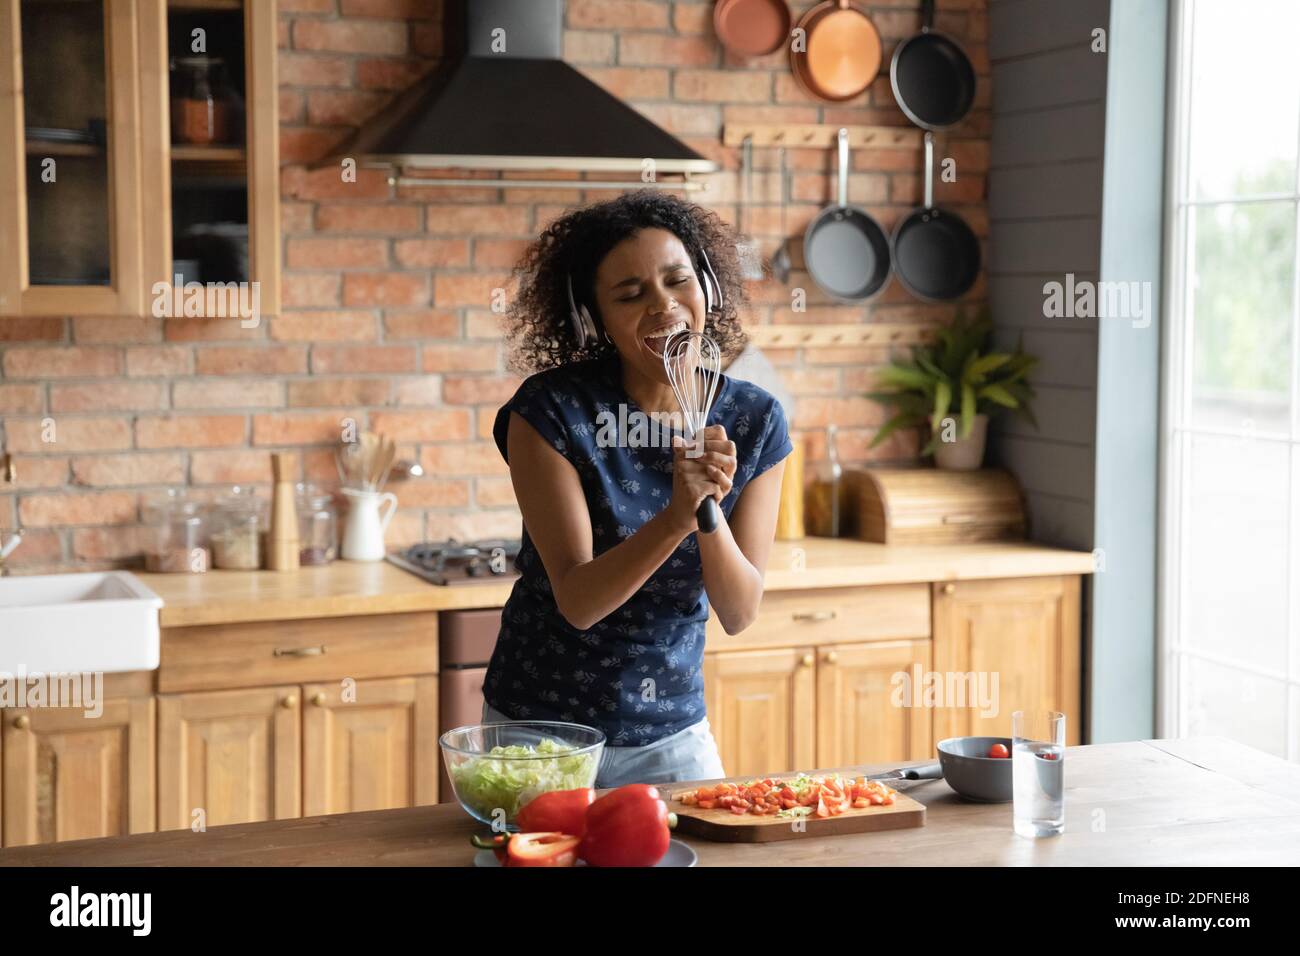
pixel 808 660
pixel 318 699
pixel 950 589
pixel 22 721
pixel 831 657
pixel 289 702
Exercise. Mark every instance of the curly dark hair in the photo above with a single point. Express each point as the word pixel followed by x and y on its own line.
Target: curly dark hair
pixel 540 332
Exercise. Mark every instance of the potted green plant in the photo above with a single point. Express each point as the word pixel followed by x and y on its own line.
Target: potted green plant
pixel 952 385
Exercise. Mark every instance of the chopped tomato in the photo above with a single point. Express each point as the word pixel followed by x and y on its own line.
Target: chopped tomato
pixel 822 796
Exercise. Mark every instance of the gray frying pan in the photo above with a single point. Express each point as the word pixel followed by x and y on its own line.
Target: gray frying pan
pixel 845 250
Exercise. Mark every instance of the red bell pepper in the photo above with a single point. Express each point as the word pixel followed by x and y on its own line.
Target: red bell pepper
pixel 542 849
pixel 626 827
pixel 531 849
pixel 559 811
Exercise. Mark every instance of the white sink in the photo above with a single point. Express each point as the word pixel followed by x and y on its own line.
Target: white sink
pixel 103 621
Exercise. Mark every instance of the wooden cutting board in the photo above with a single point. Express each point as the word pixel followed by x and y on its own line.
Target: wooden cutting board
pixel 726 827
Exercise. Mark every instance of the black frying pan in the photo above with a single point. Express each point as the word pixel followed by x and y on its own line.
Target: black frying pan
pixel 933 80
pixel 936 255
pixel 845 250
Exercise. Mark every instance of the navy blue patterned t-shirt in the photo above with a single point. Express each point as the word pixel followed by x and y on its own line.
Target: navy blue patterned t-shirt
pixel 636 674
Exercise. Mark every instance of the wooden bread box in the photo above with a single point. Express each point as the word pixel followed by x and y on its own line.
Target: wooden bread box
pixel 934 506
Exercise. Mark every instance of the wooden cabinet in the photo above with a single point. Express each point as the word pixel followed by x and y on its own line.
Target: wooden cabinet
pixel 234 755
pixel 863 715
pixel 855 683
pixel 102 203
pixel 370 745
pixel 70 776
pixel 761 708
pixel 70 209
pixel 827 706
pixel 342 715
pixel 1026 631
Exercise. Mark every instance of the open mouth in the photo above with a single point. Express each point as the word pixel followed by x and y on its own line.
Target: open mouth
pixel 656 340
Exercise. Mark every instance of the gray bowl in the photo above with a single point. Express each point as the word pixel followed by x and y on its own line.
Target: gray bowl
pixel 971 773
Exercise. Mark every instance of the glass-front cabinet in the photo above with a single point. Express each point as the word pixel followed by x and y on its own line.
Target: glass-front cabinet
pixel 138 157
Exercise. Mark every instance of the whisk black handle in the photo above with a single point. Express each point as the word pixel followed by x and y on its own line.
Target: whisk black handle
pixel 707 515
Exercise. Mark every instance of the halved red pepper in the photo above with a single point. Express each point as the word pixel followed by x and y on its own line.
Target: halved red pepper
pixel 627 827
pixel 531 849
pixel 542 849
pixel 558 811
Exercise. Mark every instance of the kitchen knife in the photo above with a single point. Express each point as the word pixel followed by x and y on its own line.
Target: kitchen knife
pixel 930 771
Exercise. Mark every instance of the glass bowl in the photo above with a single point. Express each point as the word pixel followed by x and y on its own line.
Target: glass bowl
pixel 493 786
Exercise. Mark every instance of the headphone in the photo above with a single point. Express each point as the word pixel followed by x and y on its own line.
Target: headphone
pixel 586 331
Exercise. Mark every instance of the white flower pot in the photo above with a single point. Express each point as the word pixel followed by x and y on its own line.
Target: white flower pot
pixel 963 454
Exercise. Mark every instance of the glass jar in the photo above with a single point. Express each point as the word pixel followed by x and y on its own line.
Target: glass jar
pixel 176 534
pixel 317 526
pixel 824 502
pixel 237 525
pixel 204 108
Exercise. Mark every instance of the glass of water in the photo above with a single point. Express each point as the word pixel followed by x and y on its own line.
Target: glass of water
pixel 1038 772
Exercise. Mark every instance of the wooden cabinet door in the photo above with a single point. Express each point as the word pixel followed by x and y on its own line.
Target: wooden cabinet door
pixel 372 745
pixel 71 213
pixel 68 776
pixel 863 716
pixel 761 708
pixel 234 754
pixel 1026 631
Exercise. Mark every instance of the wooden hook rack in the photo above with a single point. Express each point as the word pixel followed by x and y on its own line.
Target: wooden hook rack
pixel 879 335
pixel 821 136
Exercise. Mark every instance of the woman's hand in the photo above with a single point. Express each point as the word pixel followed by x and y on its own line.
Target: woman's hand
pixel 701 474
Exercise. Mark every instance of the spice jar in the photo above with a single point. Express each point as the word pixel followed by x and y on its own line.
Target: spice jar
pixel 176 534
pixel 237 525
pixel 204 108
pixel 317 526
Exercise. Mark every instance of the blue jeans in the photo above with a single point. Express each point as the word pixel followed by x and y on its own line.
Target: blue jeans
pixel 690 754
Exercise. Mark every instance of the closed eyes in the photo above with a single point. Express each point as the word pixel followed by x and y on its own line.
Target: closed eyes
pixel 637 294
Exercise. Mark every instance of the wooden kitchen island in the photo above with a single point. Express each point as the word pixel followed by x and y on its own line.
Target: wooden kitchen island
pixel 1204 801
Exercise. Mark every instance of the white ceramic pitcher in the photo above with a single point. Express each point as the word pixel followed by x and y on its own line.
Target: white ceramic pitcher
pixel 363 532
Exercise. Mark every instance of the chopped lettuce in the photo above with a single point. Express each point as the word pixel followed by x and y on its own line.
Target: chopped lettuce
pixel 499 779
pixel 795 812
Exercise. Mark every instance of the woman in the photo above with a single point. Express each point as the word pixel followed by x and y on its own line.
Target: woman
pixel 606 624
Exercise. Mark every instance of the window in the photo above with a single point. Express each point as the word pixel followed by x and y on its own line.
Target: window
pixel 1230 632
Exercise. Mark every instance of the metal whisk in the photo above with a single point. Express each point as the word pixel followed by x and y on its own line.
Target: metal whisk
pixel 693 364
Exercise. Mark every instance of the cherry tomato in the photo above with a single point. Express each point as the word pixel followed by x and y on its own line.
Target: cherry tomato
pixel 999 750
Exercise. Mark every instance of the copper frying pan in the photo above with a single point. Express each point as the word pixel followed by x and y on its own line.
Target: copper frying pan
pixel 751 27
pixel 840 53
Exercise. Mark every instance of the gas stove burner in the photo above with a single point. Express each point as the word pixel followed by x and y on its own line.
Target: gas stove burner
pixel 443 561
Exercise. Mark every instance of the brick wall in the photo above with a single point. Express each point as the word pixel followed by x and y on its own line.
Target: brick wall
pixel 387 292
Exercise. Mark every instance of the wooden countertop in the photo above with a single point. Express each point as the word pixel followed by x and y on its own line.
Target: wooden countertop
pixel 1204 801
pixel 348 588
pixel 339 589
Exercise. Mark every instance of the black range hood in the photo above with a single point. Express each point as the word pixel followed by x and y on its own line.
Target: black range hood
pixel 503 99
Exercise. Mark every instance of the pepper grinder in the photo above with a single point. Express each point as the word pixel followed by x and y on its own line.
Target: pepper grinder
pixel 282 542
